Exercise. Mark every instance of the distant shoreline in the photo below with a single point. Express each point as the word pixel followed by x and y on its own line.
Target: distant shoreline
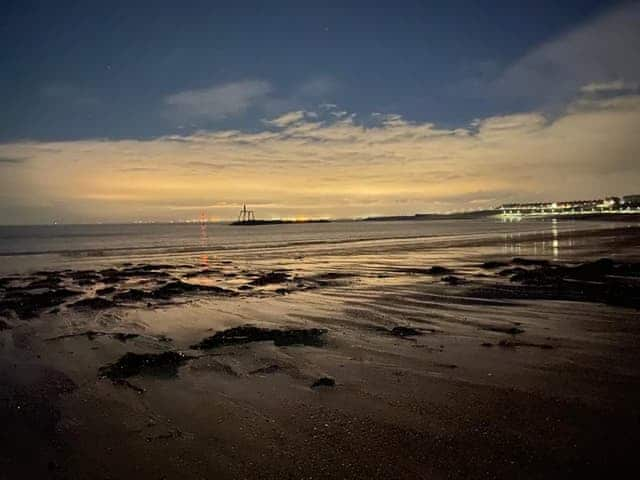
pixel 498 214
pixel 433 216
pixel 479 214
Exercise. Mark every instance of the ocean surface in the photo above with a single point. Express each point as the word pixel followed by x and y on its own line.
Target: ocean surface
pixel 25 248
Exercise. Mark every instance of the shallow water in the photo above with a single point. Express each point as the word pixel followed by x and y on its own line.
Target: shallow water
pixel 24 248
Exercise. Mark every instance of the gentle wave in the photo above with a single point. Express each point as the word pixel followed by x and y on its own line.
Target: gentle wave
pixel 196 247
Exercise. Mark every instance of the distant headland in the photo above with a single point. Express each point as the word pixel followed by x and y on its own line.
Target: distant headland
pixel 604 208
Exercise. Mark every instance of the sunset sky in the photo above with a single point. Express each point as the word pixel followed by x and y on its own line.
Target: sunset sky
pixel 111 112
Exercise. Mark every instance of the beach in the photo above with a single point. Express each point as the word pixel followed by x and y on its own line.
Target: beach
pixel 433 349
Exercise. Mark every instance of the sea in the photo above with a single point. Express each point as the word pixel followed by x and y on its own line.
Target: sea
pixel 41 247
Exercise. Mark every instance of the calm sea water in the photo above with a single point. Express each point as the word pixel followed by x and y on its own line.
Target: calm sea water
pixel 25 248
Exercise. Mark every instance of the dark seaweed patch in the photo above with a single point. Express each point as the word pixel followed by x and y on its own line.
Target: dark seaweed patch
pixel 270 278
pixel 603 280
pixel 324 382
pixel 132 295
pixel 28 305
pixel 94 303
pixel 453 280
pixel 405 332
pixel 435 270
pixel 163 364
pixel 173 289
pixel 493 264
pixel 106 290
pixel 248 334
pixel 507 330
pixel 528 262
pixel 266 370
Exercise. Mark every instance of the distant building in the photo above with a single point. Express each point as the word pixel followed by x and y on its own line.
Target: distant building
pixel 572 207
pixel 630 201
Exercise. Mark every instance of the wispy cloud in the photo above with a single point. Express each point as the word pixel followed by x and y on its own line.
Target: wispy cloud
pixel 615 87
pixel 286 119
pixel 221 101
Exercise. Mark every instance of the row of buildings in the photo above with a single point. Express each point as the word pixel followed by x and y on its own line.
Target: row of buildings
pixel 626 204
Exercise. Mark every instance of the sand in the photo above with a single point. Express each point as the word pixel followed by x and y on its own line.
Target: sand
pixel 361 361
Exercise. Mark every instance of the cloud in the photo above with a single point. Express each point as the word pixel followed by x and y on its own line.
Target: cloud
pixel 11 160
pixel 228 100
pixel 508 126
pixel 219 102
pixel 617 87
pixel 286 119
pixel 339 166
pixel 602 51
pixel 387 119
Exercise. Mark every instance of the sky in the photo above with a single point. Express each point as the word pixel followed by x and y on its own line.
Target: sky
pixel 159 111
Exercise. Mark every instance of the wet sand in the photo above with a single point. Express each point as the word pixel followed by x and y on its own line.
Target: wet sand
pixel 391 359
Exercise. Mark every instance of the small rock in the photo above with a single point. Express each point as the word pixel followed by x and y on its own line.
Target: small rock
pixel 452 280
pixel 123 337
pixel 248 333
pixel 405 332
pixel 130 364
pixel 438 270
pixel 493 264
pixel 529 262
pixel 271 277
pixel 324 382
pixel 266 370
pixel 95 303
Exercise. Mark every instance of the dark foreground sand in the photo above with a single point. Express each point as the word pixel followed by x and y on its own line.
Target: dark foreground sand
pixel 364 362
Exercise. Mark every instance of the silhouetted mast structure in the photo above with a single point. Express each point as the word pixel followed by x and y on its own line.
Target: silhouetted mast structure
pixel 246 215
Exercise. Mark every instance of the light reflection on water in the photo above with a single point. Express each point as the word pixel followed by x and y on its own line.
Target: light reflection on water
pixel 552 244
pixel 204 242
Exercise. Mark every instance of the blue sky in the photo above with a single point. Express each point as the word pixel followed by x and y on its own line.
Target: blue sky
pixel 102 69
pixel 120 111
